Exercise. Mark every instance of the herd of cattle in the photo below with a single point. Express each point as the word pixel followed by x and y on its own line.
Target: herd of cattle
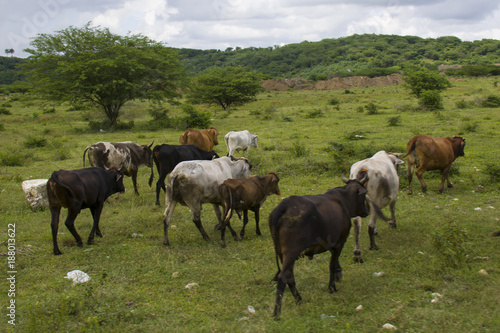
pixel 299 225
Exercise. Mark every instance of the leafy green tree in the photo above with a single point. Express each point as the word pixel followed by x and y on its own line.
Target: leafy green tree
pixel 420 79
pixel 92 65
pixel 226 86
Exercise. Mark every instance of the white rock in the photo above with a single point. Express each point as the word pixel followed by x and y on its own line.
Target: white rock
pixel 191 285
pixel 175 274
pixel 359 308
pixel 477 208
pixel 388 326
pixel 483 271
pixel 35 191
pixel 251 309
pixel 77 276
pixel 378 274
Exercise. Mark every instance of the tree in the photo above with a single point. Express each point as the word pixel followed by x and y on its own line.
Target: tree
pixel 92 65
pixel 420 79
pixel 9 51
pixel 226 86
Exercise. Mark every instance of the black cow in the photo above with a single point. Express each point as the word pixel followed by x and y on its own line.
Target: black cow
pixel 166 157
pixel 77 190
pixel 312 224
pixel 126 157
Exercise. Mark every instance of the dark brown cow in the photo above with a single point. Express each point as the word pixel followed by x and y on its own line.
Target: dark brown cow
pixel 244 195
pixel 205 139
pixel 430 153
pixel 312 224
pixel 77 190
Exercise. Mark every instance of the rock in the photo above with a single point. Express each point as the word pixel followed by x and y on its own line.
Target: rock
pixel 77 276
pixel 191 285
pixel 359 308
pixel 388 326
pixel 251 309
pixel 378 274
pixel 35 191
pixel 483 272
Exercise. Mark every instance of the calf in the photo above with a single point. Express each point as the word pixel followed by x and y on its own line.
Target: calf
pixel 166 157
pixel 382 190
pixel 126 157
pixel 312 224
pixel 242 140
pixel 430 153
pixel 244 195
pixel 77 190
pixel 205 139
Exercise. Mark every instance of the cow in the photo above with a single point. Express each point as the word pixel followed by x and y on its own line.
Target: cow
pixel 312 224
pixel 382 187
pixel 205 139
pixel 77 190
pixel 431 153
pixel 193 183
pixel 243 140
pixel 244 195
pixel 126 157
pixel 166 157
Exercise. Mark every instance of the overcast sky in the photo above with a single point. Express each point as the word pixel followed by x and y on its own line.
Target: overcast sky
pixel 218 24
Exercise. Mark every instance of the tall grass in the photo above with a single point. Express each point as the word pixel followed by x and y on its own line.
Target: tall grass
pixel 441 244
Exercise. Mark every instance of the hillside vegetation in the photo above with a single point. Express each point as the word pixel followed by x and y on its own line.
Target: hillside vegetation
pixel 309 138
pixel 357 55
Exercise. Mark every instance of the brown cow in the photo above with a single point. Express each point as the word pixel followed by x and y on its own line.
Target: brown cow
pixel 244 195
pixel 205 139
pixel 430 153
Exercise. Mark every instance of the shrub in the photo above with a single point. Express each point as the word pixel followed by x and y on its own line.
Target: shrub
pixel 493 171
pixel 194 117
pixel 371 108
pixel 12 158
pixel 314 114
pixel 160 119
pixel 469 127
pixel 334 101
pixel 299 150
pixel 5 111
pixel 394 121
pixel 491 101
pixel 431 99
pixel 34 142
pixel 451 243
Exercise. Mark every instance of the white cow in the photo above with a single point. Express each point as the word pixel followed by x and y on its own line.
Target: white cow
pixel 383 186
pixel 193 183
pixel 241 140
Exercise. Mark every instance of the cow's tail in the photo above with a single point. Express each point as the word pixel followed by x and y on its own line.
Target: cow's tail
pixel 224 193
pixel 274 224
pixel 84 152
pixel 378 211
pixel 152 176
pixel 410 148
pixel 494 234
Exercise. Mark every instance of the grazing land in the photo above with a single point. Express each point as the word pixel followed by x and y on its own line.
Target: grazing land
pixel 309 138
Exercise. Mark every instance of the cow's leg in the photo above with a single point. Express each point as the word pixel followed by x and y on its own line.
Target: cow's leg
pixel 160 184
pixel 420 172
pixel 134 181
pixel 96 214
pixel 224 224
pixel 444 177
pixel 257 218
pixel 286 277
pixel 197 219
pixel 70 224
pixel 167 217
pixel 357 249
pixel 245 221
pixel 392 208
pixel 411 167
pixel 372 228
pixel 54 224
pixel 335 269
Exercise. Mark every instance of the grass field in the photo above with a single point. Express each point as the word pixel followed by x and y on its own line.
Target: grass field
pixel 308 138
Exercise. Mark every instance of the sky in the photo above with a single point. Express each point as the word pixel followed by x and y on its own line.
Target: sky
pixel 219 24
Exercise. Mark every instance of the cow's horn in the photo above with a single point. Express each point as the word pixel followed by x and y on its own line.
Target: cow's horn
pixel 345 180
pixel 151 144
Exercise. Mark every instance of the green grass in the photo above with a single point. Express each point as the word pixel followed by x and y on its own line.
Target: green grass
pixel 138 285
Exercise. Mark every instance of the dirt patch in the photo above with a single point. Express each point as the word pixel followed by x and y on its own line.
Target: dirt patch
pixel 332 84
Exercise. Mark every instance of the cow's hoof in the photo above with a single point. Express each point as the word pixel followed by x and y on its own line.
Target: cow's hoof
pixel 223 244
pixel 90 242
pixel 392 225
pixel 217 227
pixel 166 243
pixel 374 247
pixel 57 253
pixel 450 185
pixel 79 244
pixel 358 259
pixel 237 238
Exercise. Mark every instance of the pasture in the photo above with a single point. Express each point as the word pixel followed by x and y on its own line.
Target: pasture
pixel 308 138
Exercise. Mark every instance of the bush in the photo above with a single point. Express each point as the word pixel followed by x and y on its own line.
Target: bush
pixel 314 114
pixel 12 158
pixel 394 121
pixel 371 108
pixel 431 99
pixel 493 171
pixel 451 243
pixel 5 111
pixel 194 117
pixel 160 119
pixel 334 101
pixel 33 142
pixel 491 101
pixel 299 150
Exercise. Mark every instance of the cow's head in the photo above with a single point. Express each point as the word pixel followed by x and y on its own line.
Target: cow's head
pixel 214 134
pixel 395 159
pixel 358 187
pixel 254 140
pixel 119 187
pixel 244 164
pixel 458 145
pixel 274 188
pixel 148 154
